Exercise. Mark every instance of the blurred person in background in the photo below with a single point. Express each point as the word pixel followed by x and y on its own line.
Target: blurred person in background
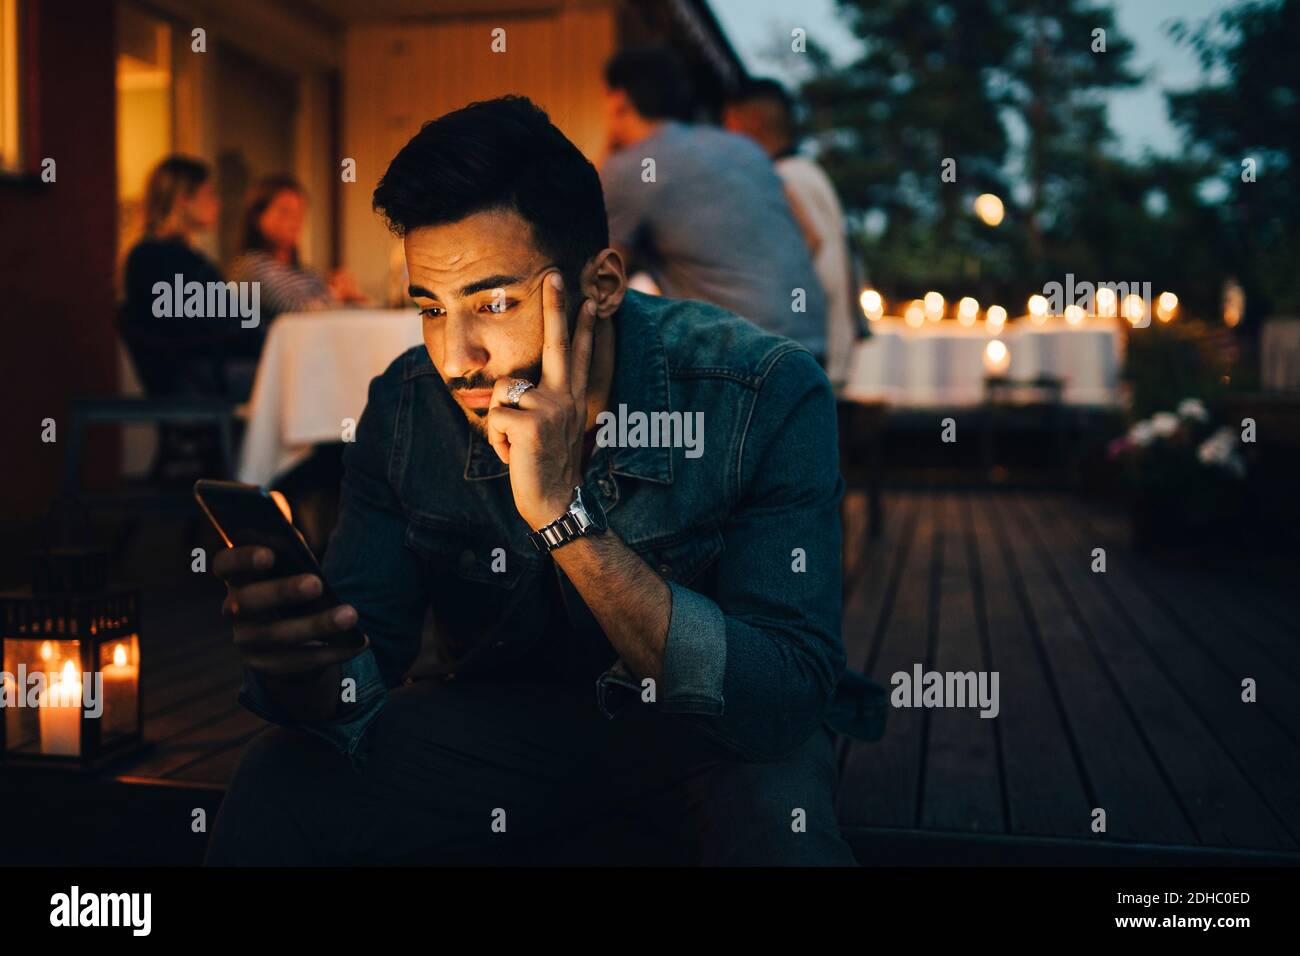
pixel 273 220
pixel 709 220
pixel 180 354
pixel 764 111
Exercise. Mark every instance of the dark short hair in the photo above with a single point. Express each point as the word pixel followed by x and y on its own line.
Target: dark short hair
pixel 766 90
pixel 654 79
pixel 261 195
pixel 499 154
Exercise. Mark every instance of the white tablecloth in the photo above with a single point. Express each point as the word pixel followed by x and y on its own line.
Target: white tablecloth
pixel 314 372
pixel 942 364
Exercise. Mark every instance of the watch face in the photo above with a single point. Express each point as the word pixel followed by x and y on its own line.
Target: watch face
pixel 595 513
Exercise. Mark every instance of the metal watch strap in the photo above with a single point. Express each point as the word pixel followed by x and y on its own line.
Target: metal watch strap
pixel 561 531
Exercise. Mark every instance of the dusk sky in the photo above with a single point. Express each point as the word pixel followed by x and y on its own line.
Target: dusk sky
pixel 1138 116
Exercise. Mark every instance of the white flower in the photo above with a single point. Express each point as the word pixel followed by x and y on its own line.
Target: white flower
pixel 1141 434
pixel 1164 424
pixel 1193 409
pixel 1220 451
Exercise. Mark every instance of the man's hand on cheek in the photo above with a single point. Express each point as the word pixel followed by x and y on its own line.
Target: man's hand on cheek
pixel 541 437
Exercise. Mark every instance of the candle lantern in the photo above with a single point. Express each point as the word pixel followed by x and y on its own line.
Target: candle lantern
pixel 71 664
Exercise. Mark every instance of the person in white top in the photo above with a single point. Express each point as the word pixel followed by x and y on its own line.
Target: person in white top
pixel 763 111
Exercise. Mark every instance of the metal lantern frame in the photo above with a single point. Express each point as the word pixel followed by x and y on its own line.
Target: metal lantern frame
pixel 96 621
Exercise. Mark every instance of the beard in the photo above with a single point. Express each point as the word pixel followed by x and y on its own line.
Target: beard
pixel 479 380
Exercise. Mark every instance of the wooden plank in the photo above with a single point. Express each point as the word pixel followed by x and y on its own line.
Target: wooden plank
pixel 869 602
pixel 1228 620
pixel 235 727
pixel 961 786
pixel 1119 766
pixel 1183 599
pixel 868 608
pixel 1223 805
pixel 1043 783
pixel 880 782
pixel 215 768
pixel 1263 752
pixel 218 670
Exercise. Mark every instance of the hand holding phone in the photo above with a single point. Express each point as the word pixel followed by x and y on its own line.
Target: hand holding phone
pixel 287 622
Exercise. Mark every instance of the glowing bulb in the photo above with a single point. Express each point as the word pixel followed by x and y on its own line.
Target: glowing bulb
pixel 1073 314
pixel 997 357
pixel 1134 308
pixel 996 317
pixel 1166 306
pixel 989 208
pixel 967 310
pixel 933 306
pixel 915 315
pixel 1106 302
pixel 1038 308
pixel 873 306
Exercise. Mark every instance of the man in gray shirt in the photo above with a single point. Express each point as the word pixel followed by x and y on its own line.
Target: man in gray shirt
pixel 702 210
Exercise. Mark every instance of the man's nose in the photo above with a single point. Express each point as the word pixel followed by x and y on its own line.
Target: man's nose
pixel 462 355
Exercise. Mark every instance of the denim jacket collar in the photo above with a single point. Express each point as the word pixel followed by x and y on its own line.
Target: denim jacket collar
pixel 640 382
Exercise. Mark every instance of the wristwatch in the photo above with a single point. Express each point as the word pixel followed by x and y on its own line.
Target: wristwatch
pixel 581 519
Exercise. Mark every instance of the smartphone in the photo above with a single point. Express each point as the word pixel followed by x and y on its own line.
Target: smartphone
pixel 246 516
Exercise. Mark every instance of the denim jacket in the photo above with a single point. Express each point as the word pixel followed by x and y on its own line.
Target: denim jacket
pixel 744 528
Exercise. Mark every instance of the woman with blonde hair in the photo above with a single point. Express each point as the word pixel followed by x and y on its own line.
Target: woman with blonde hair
pixel 179 354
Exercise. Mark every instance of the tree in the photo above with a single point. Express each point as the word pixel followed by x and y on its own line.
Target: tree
pixel 917 103
pixel 1009 89
pixel 1244 121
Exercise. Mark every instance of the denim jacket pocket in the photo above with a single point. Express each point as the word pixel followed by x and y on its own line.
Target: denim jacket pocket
pixel 478 591
pixel 456 549
pixel 684 555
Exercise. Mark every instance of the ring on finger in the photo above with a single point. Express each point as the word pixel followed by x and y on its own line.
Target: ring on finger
pixel 516 391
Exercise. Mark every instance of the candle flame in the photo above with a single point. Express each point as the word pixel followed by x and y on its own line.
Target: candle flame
pixel 69 672
pixel 119 655
pixel 47 650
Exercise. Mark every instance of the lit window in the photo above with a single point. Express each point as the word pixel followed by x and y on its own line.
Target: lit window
pixel 10 122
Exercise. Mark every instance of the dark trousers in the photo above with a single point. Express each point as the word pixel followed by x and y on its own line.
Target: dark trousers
pixel 460 766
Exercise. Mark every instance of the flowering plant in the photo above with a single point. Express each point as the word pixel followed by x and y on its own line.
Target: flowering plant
pixel 1186 475
pixel 1185 431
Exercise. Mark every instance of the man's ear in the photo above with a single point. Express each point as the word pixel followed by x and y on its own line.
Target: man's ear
pixel 604 279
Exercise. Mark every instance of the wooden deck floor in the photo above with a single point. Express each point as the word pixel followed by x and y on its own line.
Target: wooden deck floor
pixel 193 721
pixel 1119 691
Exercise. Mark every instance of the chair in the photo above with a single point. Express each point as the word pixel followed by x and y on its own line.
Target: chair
pixel 189 398
pixel 1044 398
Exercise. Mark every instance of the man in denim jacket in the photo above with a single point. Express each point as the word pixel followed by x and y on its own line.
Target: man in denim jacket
pixel 619 511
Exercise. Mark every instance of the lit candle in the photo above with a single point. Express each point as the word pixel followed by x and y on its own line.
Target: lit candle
pixel 933 306
pixel 1134 309
pixel 60 713
pixel 967 311
pixel 1037 309
pixel 915 315
pixel 1106 302
pixel 121 682
pixel 997 357
pixel 1166 306
pixel 873 305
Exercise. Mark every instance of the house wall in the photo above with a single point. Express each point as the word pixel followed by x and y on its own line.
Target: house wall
pixel 57 244
pixel 396 76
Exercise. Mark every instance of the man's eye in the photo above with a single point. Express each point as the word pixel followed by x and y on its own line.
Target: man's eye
pixel 499 305
pixel 431 312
